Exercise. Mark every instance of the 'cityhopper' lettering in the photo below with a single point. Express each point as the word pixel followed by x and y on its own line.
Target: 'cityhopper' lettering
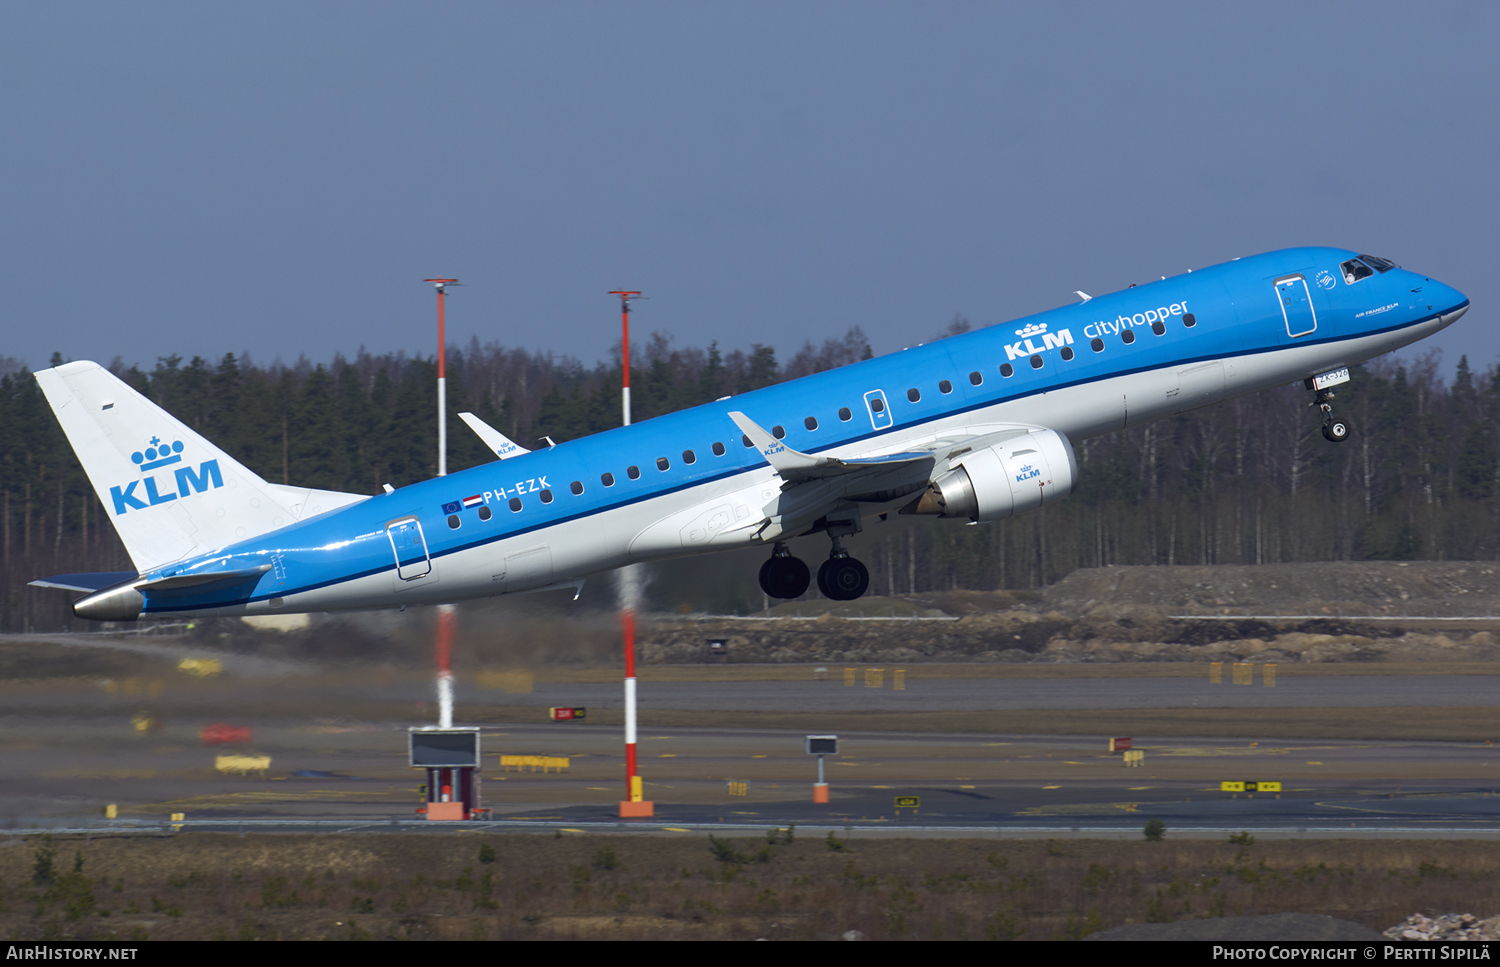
pixel 1107 327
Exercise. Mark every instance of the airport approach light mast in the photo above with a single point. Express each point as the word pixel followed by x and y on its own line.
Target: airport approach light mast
pixel 635 803
pixel 447 615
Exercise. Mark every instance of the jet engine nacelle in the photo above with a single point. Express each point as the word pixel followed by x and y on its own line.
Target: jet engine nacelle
pixel 1003 479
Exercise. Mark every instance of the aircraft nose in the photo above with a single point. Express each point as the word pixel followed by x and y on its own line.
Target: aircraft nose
pixel 1432 296
pixel 1445 300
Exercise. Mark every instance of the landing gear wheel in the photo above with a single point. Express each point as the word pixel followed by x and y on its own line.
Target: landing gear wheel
pixel 843 578
pixel 1336 431
pixel 784 577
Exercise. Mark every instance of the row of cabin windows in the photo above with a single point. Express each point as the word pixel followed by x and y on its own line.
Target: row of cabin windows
pixel 845 415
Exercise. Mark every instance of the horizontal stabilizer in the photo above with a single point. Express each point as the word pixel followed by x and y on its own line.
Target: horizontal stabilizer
pixel 500 444
pixel 795 465
pixel 84 582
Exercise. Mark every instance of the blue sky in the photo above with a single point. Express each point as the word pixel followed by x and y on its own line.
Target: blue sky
pixel 279 177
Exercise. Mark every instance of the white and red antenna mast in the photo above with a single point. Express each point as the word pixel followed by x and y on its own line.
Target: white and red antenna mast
pixel 442 355
pixel 446 613
pixel 625 299
pixel 635 803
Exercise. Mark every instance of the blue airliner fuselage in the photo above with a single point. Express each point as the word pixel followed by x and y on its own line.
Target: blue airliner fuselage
pixel 976 426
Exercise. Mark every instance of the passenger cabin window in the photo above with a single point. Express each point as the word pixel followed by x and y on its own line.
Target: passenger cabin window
pixel 485 513
pixel 577 488
pixel 689 457
pixel 515 504
pixel 1067 353
pixel 1189 320
pixel 453 521
pixel 747 441
pixel 1097 345
pixel 546 499
pixel 811 422
pixel 914 394
pixel 634 473
pixel 607 479
pixel 718 449
pixel 1159 327
pixel 976 378
pixel 845 414
pixel 779 432
pixel 1036 362
pixel 662 463
pixel 1007 370
pixel 1127 337
pixel 945 387
pixel 877 405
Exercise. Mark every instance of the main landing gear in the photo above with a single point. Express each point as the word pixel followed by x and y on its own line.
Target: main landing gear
pixel 784 576
pixel 1334 429
pixel 840 578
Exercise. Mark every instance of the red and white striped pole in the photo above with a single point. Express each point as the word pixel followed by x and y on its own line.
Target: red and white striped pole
pixel 446 613
pixel 634 804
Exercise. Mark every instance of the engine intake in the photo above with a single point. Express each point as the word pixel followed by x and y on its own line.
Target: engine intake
pixel 1004 479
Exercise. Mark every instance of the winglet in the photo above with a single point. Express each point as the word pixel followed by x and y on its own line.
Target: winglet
pixel 1082 295
pixel 791 464
pixel 796 466
pixel 498 442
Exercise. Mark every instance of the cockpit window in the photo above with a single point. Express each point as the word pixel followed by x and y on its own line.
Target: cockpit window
pixel 1377 263
pixel 1354 270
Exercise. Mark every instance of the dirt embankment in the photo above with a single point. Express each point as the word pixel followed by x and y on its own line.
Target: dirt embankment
pixel 1271 613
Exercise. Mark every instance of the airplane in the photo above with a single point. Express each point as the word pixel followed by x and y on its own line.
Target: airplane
pixel 976 427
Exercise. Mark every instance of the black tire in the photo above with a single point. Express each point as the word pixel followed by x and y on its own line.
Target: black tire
pixel 823 580
pixel 765 577
pixel 787 577
pixel 1336 431
pixel 847 579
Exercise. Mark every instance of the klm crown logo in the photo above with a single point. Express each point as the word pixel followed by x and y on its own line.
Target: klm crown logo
pixel 184 481
pixel 1032 329
pixel 158 454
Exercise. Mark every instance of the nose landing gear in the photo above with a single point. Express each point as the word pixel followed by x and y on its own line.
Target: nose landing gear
pixel 784 576
pixel 1334 430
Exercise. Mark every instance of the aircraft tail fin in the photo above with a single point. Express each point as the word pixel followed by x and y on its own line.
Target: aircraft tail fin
pixel 498 442
pixel 169 492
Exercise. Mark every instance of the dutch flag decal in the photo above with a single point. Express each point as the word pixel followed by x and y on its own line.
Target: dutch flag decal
pixel 473 501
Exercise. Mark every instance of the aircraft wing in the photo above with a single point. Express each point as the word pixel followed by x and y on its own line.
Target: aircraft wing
pixel 500 444
pixel 793 465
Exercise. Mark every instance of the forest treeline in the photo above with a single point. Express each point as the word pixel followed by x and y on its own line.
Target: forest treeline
pixel 1246 481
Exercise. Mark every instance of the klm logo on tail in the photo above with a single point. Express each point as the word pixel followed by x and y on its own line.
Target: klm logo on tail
pixel 154 457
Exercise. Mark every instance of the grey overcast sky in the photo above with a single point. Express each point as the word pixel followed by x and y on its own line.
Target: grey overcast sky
pixel 198 178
